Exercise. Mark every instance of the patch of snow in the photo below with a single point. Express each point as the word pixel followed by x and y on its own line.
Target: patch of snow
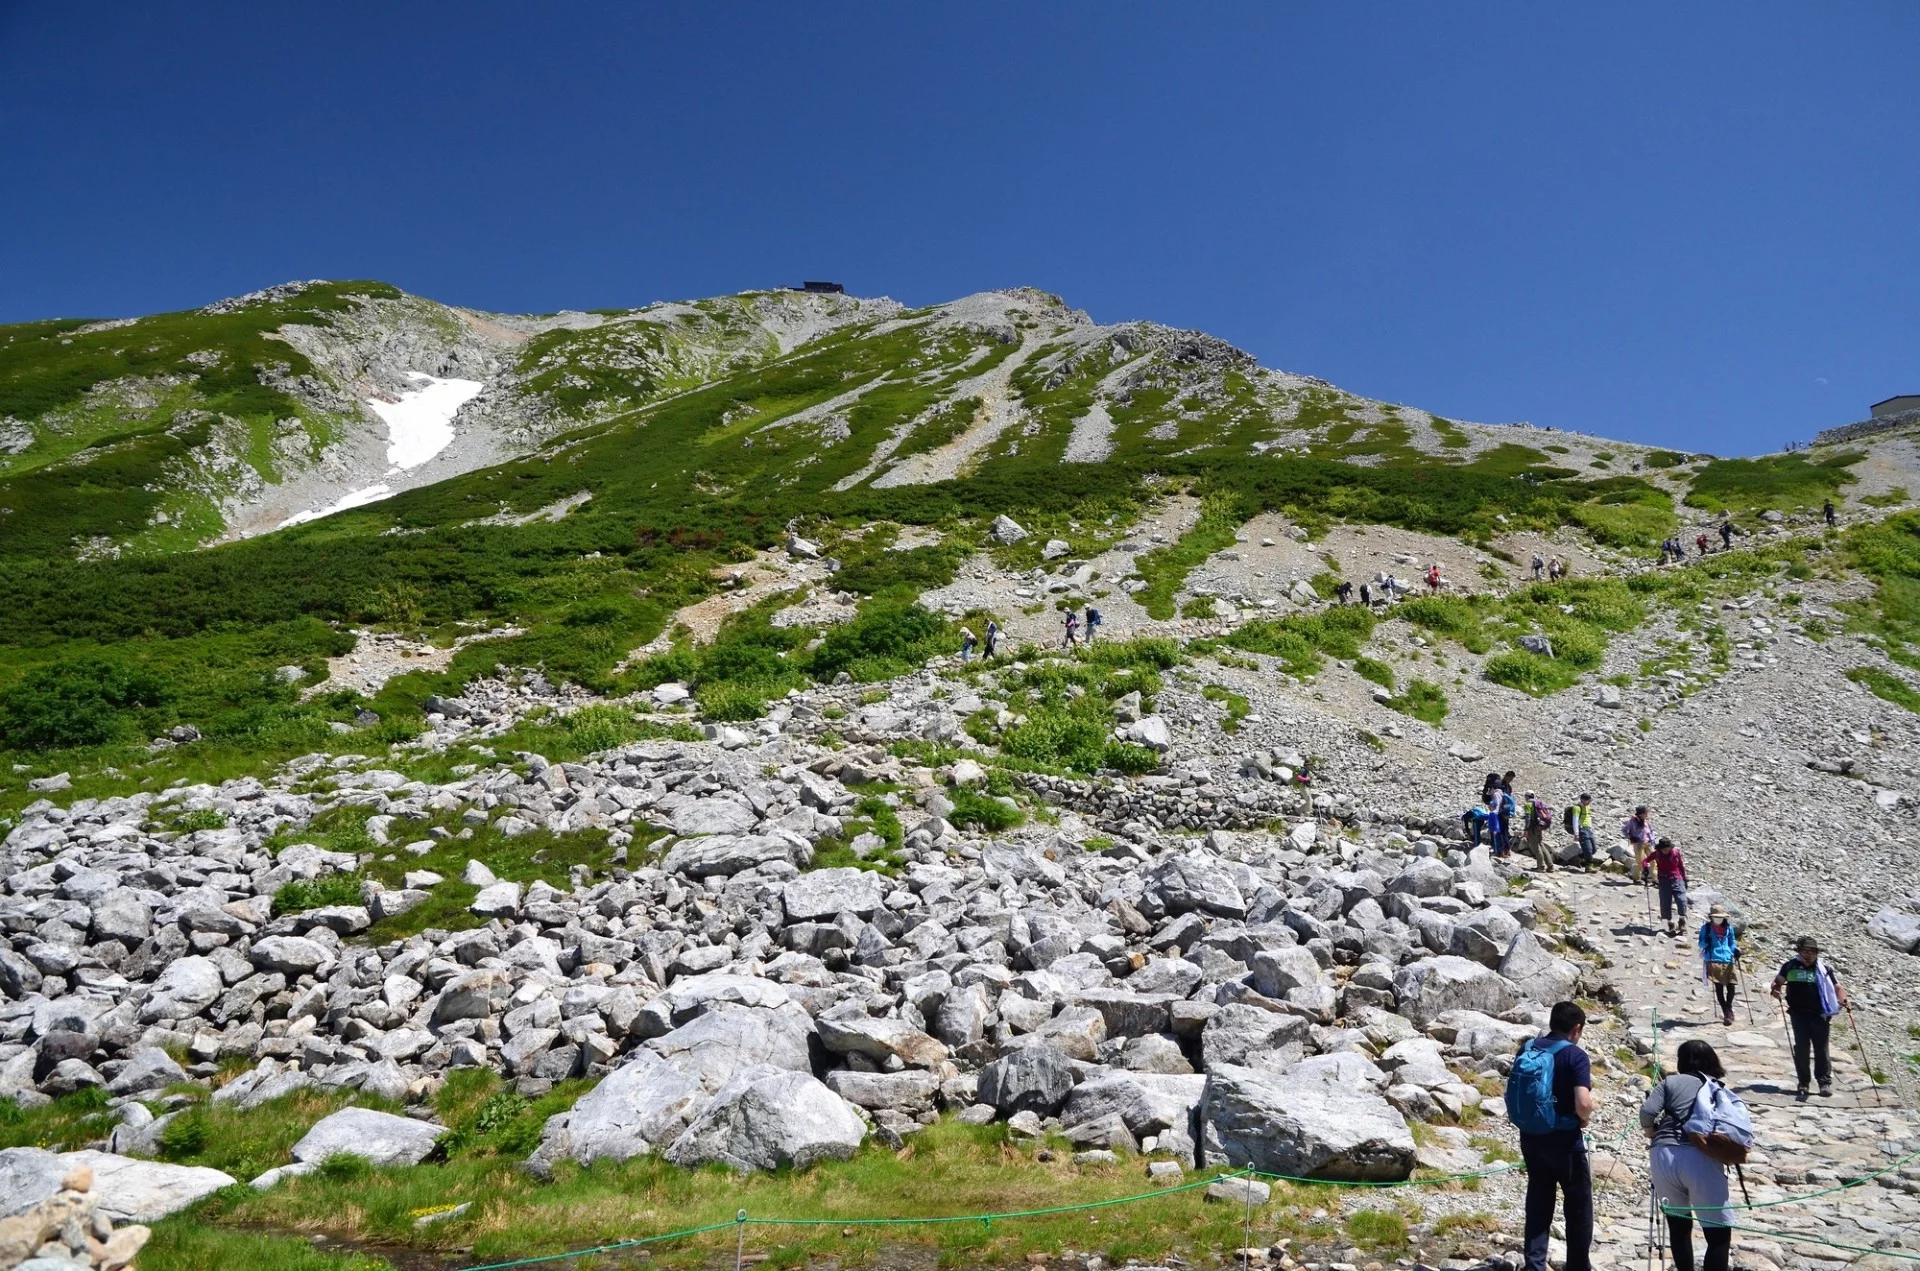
pixel 359 498
pixel 420 424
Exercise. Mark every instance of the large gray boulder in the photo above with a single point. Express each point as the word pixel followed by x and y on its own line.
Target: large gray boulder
pixel 379 1137
pixel 1484 935
pixel 1302 1127
pixel 1198 881
pixel 1033 1079
pixel 713 816
pixel 129 1190
pixel 1899 930
pixel 881 1039
pixel 909 1091
pixel 643 1103
pixel 1429 988
pixel 828 893
pixel 149 1068
pixel 1295 976
pixel 291 956
pixel 1424 877
pixel 1537 974
pixel 1241 1033
pixel 766 1119
pixel 692 996
pixel 121 915
pixel 1147 1103
pixel 187 987
pixel 716 1045
pixel 728 854
pixel 28 1175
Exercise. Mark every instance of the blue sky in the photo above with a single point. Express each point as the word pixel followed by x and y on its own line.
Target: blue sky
pixel 1690 224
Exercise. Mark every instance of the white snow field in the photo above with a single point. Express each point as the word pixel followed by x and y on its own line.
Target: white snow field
pixel 359 498
pixel 420 424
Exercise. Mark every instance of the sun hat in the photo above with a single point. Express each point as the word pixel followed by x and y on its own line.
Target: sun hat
pixel 1718 911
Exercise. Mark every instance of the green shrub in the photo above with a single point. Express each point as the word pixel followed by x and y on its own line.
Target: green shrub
pixel 1378 672
pixel 313 893
pixel 1423 700
pixel 1887 686
pixel 975 811
pixel 1301 640
pixel 1531 673
pixel 86 701
pixel 1130 759
pixel 1059 739
pixel 885 639
pixel 1451 616
pixel 200 819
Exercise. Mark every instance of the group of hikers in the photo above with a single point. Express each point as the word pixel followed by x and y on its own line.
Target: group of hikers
pixel 1551 568
pixel 1075 632
pixel 1385 588
pixel 1673 551
pixel 1696 1127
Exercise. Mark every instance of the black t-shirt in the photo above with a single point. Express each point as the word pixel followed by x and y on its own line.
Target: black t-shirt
pixel 1803 986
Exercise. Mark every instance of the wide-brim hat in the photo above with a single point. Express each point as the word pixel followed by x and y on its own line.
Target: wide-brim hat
pixel 1718 911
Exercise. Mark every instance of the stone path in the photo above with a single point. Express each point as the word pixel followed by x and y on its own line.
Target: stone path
pixel 1802 1148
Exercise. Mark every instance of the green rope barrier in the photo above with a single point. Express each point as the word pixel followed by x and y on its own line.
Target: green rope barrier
pixel 620 1244
pixel 995 1217
pixel 1904 1255
pixel 1862 1181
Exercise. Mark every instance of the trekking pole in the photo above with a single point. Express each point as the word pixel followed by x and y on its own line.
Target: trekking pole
pixel 1865 1063
pixel 1746 993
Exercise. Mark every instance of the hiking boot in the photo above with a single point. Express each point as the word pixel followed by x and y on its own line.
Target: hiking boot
pixel 1728 1020
pixel 1801 1094
pixel 1826 1091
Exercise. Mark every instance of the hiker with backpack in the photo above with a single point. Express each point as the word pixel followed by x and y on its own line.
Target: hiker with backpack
pixel 993 638
pixel 1549 1101
pixel 1538 820
pixel 1813 996
pixel 1093 623
pixel 1509 815
pixel 967 642
pixel 1578 822
pixel 1475 821
pixel 1719 952
pixel 1638 830
pixel 1072 626
pixel 1698 1127
pixel 1344 591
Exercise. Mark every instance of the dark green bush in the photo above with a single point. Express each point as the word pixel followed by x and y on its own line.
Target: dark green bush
pixel 86 701
pixel 313 893
pixel 885 638
pixel 975 811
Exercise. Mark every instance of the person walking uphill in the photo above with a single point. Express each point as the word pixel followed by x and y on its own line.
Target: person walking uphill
pixel 1685 1178
pixel 1719 954
pixel 1813 997
pixel 1549 1101
pixel 1538 820
pixel 1672 873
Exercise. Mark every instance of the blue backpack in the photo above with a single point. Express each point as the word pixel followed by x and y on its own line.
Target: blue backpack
pixel 1530 1090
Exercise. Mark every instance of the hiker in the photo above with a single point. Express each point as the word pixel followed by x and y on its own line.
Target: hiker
pixel 1475 819
pixel 1719 951
pixel 1366 595
pixel 1583 830
pixel 1496 825
pixel 1344 591
pixel 1490 786
pixel 1093 622
pixel 1685 1177
pixel 1672 871
pixel 1700 541
pixel 967 641
pixel 1538 820
pixel 1549 1100
pixel 1072 637
pixel 993 638
pixel 1509 813
pixel 1433 578
pixel 1638 830
pixel 1556 570
pixel 1539 566
pixel 1827 512
pixel 1726 535
pixel 1813 997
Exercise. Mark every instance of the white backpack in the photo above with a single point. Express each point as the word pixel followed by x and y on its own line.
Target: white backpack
pixel 1720 1125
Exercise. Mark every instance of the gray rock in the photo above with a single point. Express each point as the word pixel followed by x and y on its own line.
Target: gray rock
pixel 1302 1128
pixel 767 1119
pixel 1033 1079
pixel 291 956
pixel 1431 987
pixel 1538 975
pixel 28 1175
pixel 1899 930
pixel 1006 530
pixel 881 1039
pixel 828 893
pixel 121 915
pixel 128 1190
pixel 497 900
pixel 187 987
pixel 910 1091
pixel 712 816
pixel 1198 881
pixel 727 854
pixel 643 1103
pixel 379 1137
pixel 149 1068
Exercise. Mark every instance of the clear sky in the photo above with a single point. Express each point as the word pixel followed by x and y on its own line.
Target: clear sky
pixel 1695 224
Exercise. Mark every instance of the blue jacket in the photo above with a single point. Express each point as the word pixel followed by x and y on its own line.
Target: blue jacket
pixel 1718 944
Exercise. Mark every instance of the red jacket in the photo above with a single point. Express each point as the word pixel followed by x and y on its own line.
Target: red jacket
pixel 1670 866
